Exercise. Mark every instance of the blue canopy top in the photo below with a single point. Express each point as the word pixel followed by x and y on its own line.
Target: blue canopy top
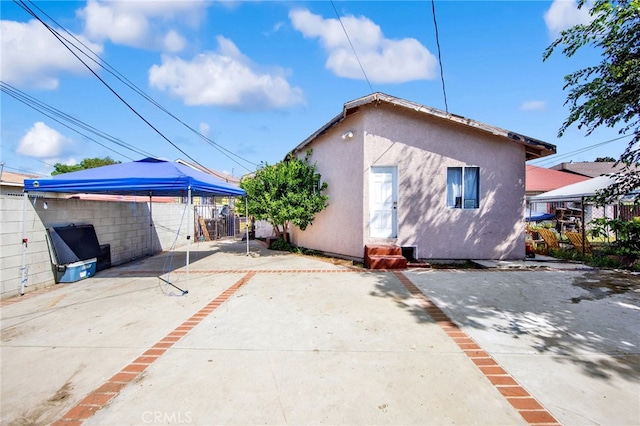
pixel 149 176
pixel 538 217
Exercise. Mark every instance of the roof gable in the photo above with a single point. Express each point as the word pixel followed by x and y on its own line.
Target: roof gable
pixel 534 148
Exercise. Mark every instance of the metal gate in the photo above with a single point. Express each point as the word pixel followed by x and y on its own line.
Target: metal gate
pixel 215 221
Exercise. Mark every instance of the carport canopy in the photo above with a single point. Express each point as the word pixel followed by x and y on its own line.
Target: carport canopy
pixel 575 191
pixel 149 176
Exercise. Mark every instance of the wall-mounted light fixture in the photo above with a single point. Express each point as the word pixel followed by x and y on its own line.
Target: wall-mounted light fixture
pixel 347 135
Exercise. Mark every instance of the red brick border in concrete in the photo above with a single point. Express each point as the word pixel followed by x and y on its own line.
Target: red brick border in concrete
pixel 101 396
pixel 528 407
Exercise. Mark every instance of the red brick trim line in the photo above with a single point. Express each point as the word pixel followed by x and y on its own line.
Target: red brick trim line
pixel 101 396
pixel 526 405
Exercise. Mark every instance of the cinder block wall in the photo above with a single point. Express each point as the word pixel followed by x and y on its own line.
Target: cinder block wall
pixel 123 225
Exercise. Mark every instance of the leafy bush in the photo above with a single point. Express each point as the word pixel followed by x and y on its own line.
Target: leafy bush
pixel 281 245
pixel 627 233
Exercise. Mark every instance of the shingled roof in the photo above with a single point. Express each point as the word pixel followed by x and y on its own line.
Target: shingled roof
pixel 589 168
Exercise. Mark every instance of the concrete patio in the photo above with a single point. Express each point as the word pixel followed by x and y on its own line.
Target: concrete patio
pixel 276 338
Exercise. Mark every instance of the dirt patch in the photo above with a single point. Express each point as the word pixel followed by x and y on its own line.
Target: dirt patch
pixel 9 334
pixel 62 393
pixel 35 415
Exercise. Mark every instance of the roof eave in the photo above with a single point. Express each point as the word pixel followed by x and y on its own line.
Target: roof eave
pixel 534 148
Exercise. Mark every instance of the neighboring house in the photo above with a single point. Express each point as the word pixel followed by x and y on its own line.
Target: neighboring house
pixel 441 185
pixel 540 179
pixel 220 175
pixel 12 183
pixel 589 169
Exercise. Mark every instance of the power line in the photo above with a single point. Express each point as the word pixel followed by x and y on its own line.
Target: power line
pixel 58 115
pixel 25 171
pixel 57 35
pixel 351 44
pixel 435 24
pixel 554 158
pixel 113 71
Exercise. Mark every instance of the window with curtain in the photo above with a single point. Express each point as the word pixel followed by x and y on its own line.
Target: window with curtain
pixel 463 187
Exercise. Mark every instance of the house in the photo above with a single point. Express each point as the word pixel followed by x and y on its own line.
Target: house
pixel 11 184
pixel 540 179
pixel 589 169
pixel 220 175
pixel 437 184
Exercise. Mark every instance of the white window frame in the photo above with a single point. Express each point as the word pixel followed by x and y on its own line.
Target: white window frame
pixel 464 201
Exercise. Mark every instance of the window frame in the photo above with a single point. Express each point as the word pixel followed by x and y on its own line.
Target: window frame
pixel 468 199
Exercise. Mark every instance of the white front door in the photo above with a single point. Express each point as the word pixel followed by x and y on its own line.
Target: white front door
pixel 383 202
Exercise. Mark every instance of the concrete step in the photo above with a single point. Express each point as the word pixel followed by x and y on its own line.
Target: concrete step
pixel 382 250
pixel 387 262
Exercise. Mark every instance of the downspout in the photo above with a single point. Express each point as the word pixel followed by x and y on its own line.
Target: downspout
pixel 150 224
pixel 190 227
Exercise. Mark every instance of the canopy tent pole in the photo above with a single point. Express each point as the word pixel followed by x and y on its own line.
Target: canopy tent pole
pixel 23 270
pixel 150 224
pixel 190 220
pixel 187 207
pixel 246 213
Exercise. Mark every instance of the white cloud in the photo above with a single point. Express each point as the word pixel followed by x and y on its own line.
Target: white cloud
pixel 32 56
pixel 563 14
pixel 141 24
pixel 533 106
pixel 204 128
pixel 384 60
pixel 173 42
pixel 225 78
pixel 41 141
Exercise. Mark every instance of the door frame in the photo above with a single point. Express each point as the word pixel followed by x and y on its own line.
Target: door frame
pixel 394 199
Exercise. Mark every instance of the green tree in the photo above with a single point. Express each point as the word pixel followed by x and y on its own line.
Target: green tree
pixel 607 93
pixel 289 192
pixel 605 160
pixel 87 163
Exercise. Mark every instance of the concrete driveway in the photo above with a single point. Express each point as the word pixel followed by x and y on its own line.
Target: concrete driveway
pixel 275 338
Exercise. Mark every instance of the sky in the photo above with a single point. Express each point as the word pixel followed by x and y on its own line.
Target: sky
pixel 235 84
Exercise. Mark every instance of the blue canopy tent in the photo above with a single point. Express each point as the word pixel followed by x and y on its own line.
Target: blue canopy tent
pixel 149 177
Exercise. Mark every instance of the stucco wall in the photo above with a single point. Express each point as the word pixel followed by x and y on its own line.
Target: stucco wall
pixel 421 148
pixel 123 225
pixel 338 229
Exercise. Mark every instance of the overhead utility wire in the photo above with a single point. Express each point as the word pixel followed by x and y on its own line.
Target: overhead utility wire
pixel 52 113
pixel 28 172
pixel 352 48
pixel 435 24
pixel 110 69
pixel 56 35
pixel 15 96
pixel 555 158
